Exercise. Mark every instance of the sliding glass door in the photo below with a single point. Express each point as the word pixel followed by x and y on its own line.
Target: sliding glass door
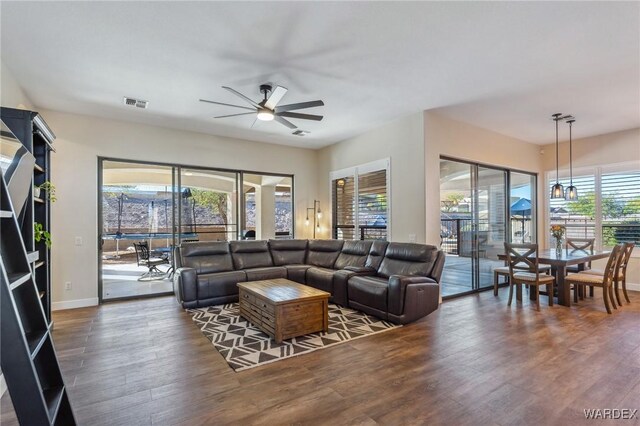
pixel 457 226
pixel 491 219
pixel 207 205
pixel 267 207
pixel 137 214
pixel 480 205
pixel 148 209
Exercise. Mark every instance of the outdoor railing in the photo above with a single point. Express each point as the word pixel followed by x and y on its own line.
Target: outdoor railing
pixel 367 232
pixel 456 234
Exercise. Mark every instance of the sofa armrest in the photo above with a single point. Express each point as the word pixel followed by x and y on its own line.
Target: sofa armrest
pixel 185 286
pixel 359 269
pixel 398 287
pixel 438 266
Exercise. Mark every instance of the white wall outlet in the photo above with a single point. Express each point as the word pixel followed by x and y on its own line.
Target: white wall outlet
pixel 67 285
pixel 412 238
pixel 78 241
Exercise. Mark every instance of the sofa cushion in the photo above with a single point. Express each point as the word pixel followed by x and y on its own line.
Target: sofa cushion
pixel 250 254
pixel 320 278
pixel 288 252
pixel 297 273
pixel 219 284
pixel 368 291
pixel 376 254
pixel 407 259
pixel 269 273
pixel 206 258
pixel 323 253
pixel 353 253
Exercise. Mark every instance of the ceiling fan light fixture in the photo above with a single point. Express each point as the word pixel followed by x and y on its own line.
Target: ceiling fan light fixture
pixel 265 114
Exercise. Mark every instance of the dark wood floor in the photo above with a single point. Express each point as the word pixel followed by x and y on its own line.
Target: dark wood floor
pixel 474 361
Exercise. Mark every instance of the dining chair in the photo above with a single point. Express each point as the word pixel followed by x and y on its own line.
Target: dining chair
pixel 580 244
pixel 605 280
pixel 503 271
pixel 620 278
pixel 524 268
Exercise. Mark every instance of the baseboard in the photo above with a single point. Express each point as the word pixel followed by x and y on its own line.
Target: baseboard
pixel 73 304
pixel 633 287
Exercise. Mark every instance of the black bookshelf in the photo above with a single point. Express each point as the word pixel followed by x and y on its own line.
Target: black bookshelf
pixel 35 135
pixel 27 354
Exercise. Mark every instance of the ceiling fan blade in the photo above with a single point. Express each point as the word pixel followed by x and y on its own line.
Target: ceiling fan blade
pixel 285 122
pixel 301 105
pixel 235 92
pixel 277 94
pixel 234 115
pixel 300 116
pixel 254 122
pixel 222 103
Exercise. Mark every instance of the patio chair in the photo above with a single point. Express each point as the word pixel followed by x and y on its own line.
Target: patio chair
pixel 525 269
pixel 144 258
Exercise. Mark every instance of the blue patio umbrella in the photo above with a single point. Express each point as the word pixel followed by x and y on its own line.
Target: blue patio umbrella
pixel 522 208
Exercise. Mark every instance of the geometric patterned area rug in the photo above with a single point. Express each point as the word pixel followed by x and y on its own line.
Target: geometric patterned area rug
pixel 244 346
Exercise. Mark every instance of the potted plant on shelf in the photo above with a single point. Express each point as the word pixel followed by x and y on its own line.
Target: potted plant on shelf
pixel 47 187
pixel 40 234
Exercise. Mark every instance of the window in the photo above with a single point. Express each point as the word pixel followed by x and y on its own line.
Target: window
pixel 620 208
pixel 359 201
pixel 608 206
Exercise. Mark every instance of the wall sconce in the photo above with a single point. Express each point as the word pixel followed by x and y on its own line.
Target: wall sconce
pixel 317 214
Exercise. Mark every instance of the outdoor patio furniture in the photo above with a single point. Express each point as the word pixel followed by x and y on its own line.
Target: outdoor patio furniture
pixel 144 258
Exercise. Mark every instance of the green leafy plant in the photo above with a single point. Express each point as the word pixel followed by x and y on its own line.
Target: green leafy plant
pixel 39 234
pixel 50 189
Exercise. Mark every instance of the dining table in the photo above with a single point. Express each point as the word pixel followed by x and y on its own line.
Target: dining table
pixel 559 260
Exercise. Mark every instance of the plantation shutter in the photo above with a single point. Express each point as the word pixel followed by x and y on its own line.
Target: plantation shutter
pixel 372 205
pixel 577 216
pixel 620 208
pixel 343 191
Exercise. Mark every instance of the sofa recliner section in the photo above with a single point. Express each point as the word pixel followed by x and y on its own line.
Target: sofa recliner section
pixel 397 282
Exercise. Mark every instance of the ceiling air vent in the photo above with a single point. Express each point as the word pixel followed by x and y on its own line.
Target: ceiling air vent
pixel 138 103
pixel 300 133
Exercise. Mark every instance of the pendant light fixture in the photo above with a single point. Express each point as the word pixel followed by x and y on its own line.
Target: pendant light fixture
pixel 557 190
pixel 571 193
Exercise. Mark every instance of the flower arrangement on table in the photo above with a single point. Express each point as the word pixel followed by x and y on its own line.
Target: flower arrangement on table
pixel 557 232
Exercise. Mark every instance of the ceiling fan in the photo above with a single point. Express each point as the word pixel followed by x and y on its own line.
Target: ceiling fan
pixel 268 109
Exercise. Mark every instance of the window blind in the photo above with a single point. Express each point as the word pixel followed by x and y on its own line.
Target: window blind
pixel 620 202
pixel 343 201
pixel 372 205
pixel 578 217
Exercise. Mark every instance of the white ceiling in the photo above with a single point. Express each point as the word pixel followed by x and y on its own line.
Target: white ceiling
pixel 499 65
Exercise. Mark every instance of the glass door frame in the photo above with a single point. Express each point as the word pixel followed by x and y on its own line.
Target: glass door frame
pixel 176 188
pixel 475 165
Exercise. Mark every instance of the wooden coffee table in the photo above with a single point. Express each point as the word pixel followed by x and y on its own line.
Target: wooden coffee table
pixel 284 309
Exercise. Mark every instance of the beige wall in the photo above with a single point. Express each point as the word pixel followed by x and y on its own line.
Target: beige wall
pixel 81 139
pixel 611 148
pixel 402 142
pixel 447 137
pixel 11 95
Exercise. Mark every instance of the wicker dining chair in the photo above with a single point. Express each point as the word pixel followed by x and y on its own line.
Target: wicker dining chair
pixel 620 278
pixel 525 269
pixel 605 280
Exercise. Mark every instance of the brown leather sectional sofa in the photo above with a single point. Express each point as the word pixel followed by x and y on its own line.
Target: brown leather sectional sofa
pixel 393 281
